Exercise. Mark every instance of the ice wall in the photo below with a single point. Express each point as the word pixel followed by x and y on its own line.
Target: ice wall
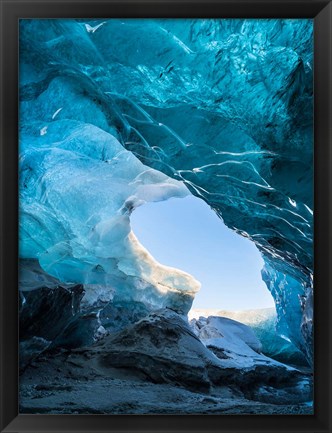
pixel 78 189
pixel 224 106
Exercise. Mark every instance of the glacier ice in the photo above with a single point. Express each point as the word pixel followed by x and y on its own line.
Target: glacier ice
pixel 77 196
pixel 116 113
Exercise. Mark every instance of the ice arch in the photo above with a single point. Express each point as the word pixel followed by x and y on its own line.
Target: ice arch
pixel 224 106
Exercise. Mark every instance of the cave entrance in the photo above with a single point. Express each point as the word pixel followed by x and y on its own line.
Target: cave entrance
pixel 186 234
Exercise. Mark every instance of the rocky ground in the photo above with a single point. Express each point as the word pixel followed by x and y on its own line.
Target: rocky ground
pixel 157 366
pixel 100 395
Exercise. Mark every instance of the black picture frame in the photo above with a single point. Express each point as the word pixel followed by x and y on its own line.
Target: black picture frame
pixel 11 11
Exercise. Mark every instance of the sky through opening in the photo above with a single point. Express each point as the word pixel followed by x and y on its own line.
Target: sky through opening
pixel 186 234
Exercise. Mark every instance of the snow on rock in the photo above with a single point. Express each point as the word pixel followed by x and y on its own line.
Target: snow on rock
pixel 227 335
pixel 263 323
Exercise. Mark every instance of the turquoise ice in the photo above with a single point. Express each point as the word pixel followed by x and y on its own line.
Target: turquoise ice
pixel 116 113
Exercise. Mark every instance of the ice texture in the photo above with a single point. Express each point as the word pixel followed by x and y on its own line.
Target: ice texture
pixel 116 112
pixel 77 195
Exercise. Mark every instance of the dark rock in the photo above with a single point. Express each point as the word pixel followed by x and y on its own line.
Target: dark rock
pixel 163 348
pixel 30 349
pixel 119 314
pixel 46 312
pixel 79 332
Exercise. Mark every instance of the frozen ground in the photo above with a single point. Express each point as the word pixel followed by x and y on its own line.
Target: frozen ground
pixel 125 396
pixel 158 365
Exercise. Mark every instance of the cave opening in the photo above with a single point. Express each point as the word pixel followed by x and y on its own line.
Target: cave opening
pixel 187 234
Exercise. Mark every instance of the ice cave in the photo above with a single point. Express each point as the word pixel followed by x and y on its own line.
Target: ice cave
pixel 117 114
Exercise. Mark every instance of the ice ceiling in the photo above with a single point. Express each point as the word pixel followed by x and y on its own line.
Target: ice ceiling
pixel 117 113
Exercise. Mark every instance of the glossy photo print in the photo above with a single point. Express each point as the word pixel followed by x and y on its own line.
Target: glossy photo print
pixel 166 216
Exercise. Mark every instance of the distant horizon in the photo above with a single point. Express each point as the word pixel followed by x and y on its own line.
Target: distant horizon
pixel 177 231
pixel 231 311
